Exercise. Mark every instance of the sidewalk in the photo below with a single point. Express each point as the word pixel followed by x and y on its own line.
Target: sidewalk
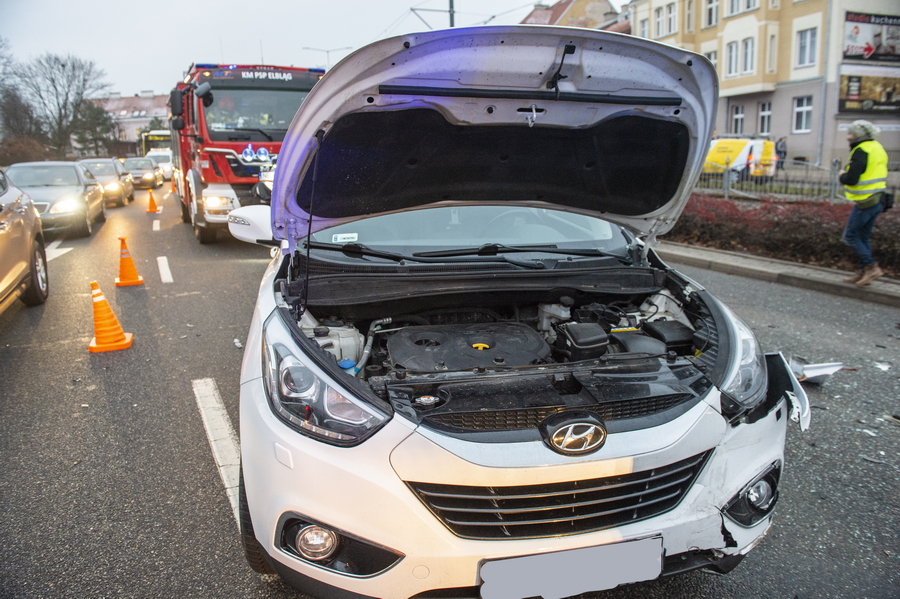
pixel 881 291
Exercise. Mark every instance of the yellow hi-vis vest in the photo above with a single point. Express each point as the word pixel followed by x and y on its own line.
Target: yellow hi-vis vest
pixel 874 179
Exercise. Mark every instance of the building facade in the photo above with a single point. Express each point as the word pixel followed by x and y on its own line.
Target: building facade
pixel 132 113
pixel 799 69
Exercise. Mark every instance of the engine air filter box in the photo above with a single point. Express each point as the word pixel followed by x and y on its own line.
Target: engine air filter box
pixel 677 336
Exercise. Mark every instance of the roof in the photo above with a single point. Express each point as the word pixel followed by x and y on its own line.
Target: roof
pixel 587 14
pixel 147 107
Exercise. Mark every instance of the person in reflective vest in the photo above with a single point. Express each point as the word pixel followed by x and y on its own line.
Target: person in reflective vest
pixel 865 181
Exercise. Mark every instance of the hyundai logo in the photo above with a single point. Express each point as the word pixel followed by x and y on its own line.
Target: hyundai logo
pixel 573 433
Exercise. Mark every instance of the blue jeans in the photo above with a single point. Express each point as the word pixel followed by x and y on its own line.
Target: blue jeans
pixel 858 232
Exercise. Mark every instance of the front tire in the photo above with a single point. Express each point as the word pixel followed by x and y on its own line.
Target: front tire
pixel 38 282
pixel 204 235
pixel 101 218
pixel 84 227
pixel 253 551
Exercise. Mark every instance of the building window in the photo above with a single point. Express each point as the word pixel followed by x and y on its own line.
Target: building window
pixel 748 53
pixel 803 114
pixel 713 58
pixel 806 47
pixel 737 119
pixel 773 3
pixel 732 56
pixel 734 7
pixel 765 118
pixel 689 16
pixel 670 18
pixel 712 13
pixel 645 26
pixel 658 22
pixel 751 4
pixel 773 46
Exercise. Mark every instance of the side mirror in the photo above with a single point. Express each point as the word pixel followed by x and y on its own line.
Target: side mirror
pixel 252 224
pixel 203 89
pixel 177 123
pixel 176 102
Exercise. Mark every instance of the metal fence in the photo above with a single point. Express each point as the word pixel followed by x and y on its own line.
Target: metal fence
pixel 796 181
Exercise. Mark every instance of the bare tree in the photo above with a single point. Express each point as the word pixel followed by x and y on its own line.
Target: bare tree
pixel 57 87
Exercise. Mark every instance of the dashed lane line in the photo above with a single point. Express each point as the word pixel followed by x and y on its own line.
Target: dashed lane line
pixel 222 439
pixel 156 225
pixel 164 273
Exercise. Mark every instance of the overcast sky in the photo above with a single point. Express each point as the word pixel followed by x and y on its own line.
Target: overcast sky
pixel 149 45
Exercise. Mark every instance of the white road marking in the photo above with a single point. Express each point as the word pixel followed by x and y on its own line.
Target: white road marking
pixel 156 225
pixel 52 252
pixel 164 273
pixel 222 439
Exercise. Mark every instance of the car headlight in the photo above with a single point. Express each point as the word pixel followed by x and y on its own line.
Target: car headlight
pixel 148 176
pixel 216 201
pixel 65 206
pixel 114 186
pixel 747 380
pixel 304 397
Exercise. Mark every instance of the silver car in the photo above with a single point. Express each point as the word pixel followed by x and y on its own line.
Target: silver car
pixel 468 374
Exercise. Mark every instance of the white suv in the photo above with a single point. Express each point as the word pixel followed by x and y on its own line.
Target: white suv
pixel 468 374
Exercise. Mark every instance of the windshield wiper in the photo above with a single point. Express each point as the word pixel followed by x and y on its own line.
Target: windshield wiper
pixel 358 250
pixel 494 249
pixel 269 137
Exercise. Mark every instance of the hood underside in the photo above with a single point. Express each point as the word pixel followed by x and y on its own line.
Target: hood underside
pixel 580 120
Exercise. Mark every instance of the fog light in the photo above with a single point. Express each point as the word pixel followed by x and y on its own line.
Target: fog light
pixel 760 494
pixel 316 543
pixel 757 499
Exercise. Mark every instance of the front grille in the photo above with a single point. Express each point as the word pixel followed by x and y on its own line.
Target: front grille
pixel 535 511
pixel 530 418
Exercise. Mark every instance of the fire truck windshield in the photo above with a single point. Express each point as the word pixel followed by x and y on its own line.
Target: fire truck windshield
pixel 251 114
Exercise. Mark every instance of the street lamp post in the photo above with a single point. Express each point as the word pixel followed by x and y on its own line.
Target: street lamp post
pixel 328 53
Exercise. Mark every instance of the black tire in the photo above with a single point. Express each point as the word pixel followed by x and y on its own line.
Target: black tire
pixel 253 551
pixel 84 227
pixel 38 282
pixel 130 197
pixel 205 235
pixel 185 207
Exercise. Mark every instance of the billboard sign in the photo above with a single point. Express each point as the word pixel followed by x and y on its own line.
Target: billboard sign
pixel 869 89
pixel 872 37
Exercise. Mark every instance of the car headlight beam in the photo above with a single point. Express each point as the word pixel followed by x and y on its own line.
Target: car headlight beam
pixel 66 206
pixel 304 397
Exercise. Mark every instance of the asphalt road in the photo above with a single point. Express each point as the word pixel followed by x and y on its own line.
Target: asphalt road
pixel 110 488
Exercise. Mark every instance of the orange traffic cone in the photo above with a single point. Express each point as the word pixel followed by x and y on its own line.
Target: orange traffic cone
pixel 152 207
pixel 127 272
pixel 173 185
pixel 108 333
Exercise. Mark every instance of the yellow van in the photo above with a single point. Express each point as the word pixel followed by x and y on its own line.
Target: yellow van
pixel 745 157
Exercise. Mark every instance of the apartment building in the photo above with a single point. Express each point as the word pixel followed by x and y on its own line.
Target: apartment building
pixel 800 69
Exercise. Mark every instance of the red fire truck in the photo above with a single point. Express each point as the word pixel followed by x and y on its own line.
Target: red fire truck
pixel 228 122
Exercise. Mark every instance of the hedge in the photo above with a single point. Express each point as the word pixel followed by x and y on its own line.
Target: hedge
pixel 806 232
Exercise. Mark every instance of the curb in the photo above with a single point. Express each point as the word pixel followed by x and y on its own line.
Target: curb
pixel 882 291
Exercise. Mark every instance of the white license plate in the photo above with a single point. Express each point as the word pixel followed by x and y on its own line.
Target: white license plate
pixel 566 573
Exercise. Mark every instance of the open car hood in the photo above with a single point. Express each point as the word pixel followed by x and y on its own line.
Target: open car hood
pixel 587 121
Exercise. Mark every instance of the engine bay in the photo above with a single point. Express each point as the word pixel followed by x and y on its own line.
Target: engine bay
pixel 495 366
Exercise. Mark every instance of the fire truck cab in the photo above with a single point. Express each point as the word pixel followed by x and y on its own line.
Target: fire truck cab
pixel 227 123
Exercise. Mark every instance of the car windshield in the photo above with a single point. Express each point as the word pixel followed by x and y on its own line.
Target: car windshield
pixel 138 164
pixel 160 158
pixel 471 227
pixel 53 175
pixel 251 114
pixel 100 168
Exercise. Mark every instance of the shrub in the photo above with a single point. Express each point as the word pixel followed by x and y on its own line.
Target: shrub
pixel 807 232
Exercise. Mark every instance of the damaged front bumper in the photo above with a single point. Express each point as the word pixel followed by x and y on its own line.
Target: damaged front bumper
pixel 368 495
